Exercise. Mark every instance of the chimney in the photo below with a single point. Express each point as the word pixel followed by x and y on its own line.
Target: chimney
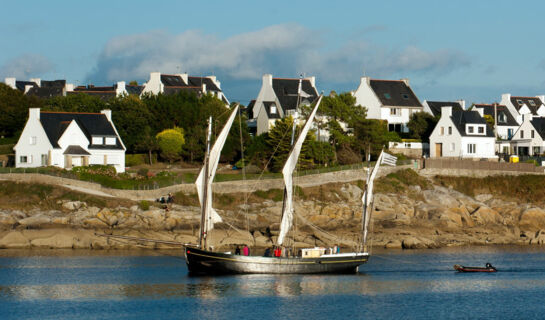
pixel 505 99
pixel 107 113
pixel 462 103
pixel 446 111
pixel 34 114
pixel 69 87
pixel 406 80
pixel 215 80
pixel 10 82
pixel 37 81
pixel 120 90
pixel 480 111
pixel 267 79
pixel 366 80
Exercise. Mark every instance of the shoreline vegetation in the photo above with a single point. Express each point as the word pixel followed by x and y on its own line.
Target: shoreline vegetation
pixel 411 211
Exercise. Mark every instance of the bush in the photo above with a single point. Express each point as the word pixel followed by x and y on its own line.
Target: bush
pixel 144 205
pixel 138 159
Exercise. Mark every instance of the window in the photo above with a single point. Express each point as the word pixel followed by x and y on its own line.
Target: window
pixel 532 103
pixel 452 146
pixel 509 133
pixel 532 134
pixel 44 159
pixel 449 130
pixel 33 140
pixel 273 109
pixel 522 134
pixel 536 150
pixel 480 130
pixel 471 148
pixel 110 141
pixel 23 159
pixel 442 131
pixel 502 118
pixel 470 129
pixel 97 140
pixel 387 96
pixel 394 111
pixel 405 96
pixel 520 102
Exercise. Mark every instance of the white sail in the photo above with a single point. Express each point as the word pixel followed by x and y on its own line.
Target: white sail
pixel 212 216
pixel 287 172
pixel 367 197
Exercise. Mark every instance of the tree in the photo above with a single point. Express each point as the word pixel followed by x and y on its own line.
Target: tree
pixel 373 135
pixel 421 125
pixel 14 107
pixel 170 142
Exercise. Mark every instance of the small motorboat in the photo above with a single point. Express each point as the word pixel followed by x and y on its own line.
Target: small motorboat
pixel 488 268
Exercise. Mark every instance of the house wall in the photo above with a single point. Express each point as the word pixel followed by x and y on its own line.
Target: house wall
pixel 365 97
pixel 451 143
pixel 115 158
pixel 527 141
pixel 506 101
pixel 503 131
pixel 33 151
pixel 484 147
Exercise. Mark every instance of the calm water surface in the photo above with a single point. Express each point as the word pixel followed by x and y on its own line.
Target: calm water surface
pixel 416 284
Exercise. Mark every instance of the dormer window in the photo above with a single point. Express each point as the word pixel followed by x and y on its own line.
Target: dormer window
pixel 110 141
pixel 520 102
pixel 405 96
pixel 480 130
pixel 97 140
pixel 387 96
pixel 273 109
pixel 532 103
pixel 502 118
pixel 470 129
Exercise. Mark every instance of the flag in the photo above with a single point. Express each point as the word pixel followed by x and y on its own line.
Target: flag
pixel 389 159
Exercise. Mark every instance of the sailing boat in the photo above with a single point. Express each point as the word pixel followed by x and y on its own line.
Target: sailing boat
pixel 202 260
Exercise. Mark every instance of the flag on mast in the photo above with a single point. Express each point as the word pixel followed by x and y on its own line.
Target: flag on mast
pixel 388 159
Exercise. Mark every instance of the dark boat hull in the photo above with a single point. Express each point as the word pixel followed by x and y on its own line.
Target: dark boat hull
pixel 207 262
pixel 460 268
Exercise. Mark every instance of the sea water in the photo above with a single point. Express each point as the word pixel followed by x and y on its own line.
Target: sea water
pixel 394 284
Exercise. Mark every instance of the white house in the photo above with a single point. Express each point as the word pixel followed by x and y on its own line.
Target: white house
pixel 529 139
pixel 505 125
pixel 67 139
pixel 520 106
pixel 40 88
pixel 434 107
pixel 173 83
pixel 278 99
pixel 390 100
pixel 462 134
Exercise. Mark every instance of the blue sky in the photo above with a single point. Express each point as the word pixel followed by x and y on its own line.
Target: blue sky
pixel 473 50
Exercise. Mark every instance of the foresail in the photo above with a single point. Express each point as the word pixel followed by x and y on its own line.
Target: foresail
pixel 287 172
pixel 212 216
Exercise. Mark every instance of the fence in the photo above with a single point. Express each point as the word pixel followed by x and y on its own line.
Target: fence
pixel 469 164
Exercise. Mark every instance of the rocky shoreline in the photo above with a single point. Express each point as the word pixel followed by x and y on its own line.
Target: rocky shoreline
pixel 432 218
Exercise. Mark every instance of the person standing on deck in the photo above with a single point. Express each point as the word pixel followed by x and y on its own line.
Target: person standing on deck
pixel 246 250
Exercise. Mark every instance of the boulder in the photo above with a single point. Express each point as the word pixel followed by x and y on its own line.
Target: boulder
pixel 532 219
pixel 6 221
pixel 14 239
pixel 35 221
pixel 58 241
pixel 485 215
pixel 483 197
pixel 393 244
pixel 73 205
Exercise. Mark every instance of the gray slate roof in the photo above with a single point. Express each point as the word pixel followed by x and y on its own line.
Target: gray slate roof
pixel 198 81
pixel 92 124
pixel 395 93
pixel 461 118
pixel 76 150
pixel 488 109
pixel 436 106
pixel 286 92
pixel 539 125
pixel 519 101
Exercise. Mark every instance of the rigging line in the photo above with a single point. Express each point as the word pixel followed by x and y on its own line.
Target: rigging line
pixel 334 237
pixel 243 167
pixel 394 259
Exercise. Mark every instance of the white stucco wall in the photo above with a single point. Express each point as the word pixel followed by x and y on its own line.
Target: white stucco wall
pixel 34 151
pixel 484 147
pixel 365 97
pixel 451 143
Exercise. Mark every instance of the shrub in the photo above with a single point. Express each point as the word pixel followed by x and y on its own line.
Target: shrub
pixel 144 205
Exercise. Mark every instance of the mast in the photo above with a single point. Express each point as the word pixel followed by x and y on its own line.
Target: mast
pixel 203 231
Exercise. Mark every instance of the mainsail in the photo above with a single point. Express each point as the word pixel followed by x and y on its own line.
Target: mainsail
pixel 287 172
pixel 211 216
pixel 367 197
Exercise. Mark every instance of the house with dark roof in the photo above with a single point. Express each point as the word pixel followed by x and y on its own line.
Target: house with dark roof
pixel 278 98
pixel 391 100
pixel 505 124
pixel 520 106
pixel 174 83
pixel 462 134
pixel 69 139
pixel 434 107
pixel 40 88
pixel 529 139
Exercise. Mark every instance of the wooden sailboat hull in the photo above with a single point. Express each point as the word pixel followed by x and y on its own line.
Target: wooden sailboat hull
pixel 211 263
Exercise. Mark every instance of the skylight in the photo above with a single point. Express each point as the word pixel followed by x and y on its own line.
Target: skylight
pixel 387 96
pixel 405 96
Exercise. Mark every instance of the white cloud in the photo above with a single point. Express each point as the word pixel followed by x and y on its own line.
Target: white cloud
pixel 283 50
pixel 26 66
